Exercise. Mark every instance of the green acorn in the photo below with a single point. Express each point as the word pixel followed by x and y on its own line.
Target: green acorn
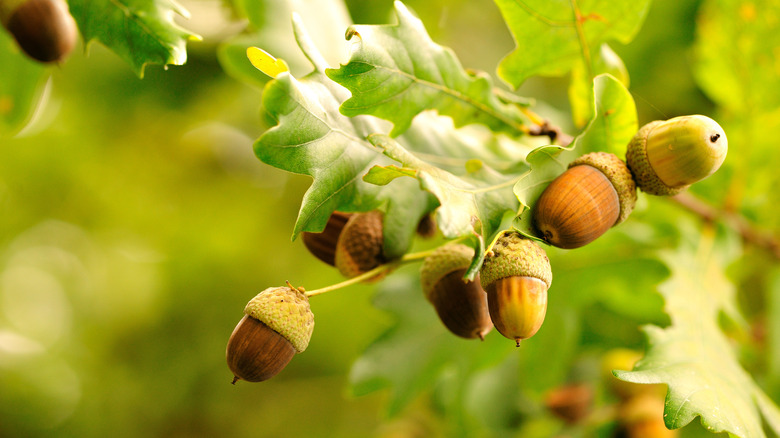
pixel 460 304
pixel 44 29
pixel 277 324
pixel 668 156
pixel 516 274
pixel 593 195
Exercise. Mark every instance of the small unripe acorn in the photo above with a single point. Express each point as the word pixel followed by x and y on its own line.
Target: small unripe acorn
pixel 44 29
pixel 323 245
pixel 593 195
pixel 277 324
pixel 668 156
pixel 460 304
pixel 359 247
pixel 516 274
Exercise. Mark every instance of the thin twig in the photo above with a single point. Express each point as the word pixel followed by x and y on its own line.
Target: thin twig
pixel 749 232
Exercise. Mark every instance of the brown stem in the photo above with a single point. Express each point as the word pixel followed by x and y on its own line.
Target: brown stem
pixel 745 228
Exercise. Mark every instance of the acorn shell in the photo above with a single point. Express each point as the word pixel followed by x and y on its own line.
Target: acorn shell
pixel 517 306
pixel 323 245
pixel 596 193
pixel 460 304
pixel 44 29
pixel 255 352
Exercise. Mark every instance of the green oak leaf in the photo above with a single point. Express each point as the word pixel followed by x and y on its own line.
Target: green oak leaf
pixel 270 29
pixel 395 72
pixel 552 36
pixel 474 204
pixel 694 357
pixel 611 129
pixel 21 86
pixel 733 38
pixel 313 138
pixel 140 31
pixel 581 85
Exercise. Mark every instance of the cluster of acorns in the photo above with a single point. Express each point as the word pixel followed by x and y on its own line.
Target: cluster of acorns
pixel 596 192
pixel 44 29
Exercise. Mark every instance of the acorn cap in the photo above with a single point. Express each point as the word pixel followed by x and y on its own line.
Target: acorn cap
pixel 286 311
pixel 618 174
pixel 359 247
pixel 444 260
pixel 668 156
pixel 515 256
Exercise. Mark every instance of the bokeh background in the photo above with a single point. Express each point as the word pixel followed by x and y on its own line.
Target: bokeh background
pixel 135 223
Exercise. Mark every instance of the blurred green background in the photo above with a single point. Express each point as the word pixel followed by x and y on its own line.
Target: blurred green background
pixel 136 223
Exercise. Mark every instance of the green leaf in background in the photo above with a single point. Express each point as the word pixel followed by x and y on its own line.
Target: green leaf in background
pixel 553 36
pixel 21 86
pixel 693 356
pixel 140 31
pixel 736 53
pixel 609 131
pixel 395 72
pixel 417 349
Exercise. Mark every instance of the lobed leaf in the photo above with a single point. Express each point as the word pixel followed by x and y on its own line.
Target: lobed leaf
pixel 471 205
pixel 694 357
pixel 552 36
pixel 396 71
pixel 140 31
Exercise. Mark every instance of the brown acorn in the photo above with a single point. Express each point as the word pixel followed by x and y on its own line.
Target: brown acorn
pixel 44 29
pixel 594 194
pixel 323 245
pixel 667 156
pixel 571 403
pixel 277 324
pixel 460 304
pixel 359 247
pixel 516 274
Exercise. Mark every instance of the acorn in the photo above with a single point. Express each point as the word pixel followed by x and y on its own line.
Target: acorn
pixel 277 324
pixel 461 304
pixel 44 29
pixel 516 274
pixel 323 245
pixel 593 195
pixel 571 403
pixel 359 247
pixel 427 227
pixel 668 156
